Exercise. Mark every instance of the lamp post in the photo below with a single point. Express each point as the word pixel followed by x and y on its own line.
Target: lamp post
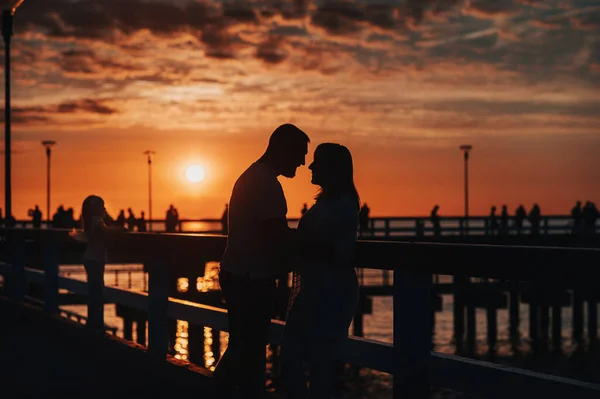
pixel 48 144
pixel 466 148
pixel 8 11
pixel 149 154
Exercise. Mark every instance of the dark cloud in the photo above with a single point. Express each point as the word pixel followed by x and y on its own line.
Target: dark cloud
pixel 45 114
pixel 492 8
pixel 86 105
pixel 271 51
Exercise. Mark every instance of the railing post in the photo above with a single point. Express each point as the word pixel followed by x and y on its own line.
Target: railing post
pixel 17 281
pixel 51 277
pixel 158 301
pixel 412 333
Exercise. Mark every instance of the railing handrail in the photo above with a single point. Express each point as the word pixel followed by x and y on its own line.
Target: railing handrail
pixel 379 217
pixel 523 263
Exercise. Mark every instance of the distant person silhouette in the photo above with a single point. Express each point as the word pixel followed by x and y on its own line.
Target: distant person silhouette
pixel 535 218
pixel 225 220
pixel 304 209
pixel 141 223
pixel 131 220
pixel 494 225
pixel 171 219
pixel 36 217
pixel 120 222
pixel 435 221
pixel 256 253
pixel 10 221
pixel 504 221
pixel 325 293
pixel 590 216
pixel 520 216
pixel 363 220
pixel 69 218
pixel 58 219
pixel 577 216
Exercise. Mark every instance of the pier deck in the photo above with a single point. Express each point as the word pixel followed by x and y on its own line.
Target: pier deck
pixel 46 356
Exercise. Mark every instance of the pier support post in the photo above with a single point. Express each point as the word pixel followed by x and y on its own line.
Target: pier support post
pixel 556 327
pixel 140 328
pixel 458 309
pixel 412 333
pixel 577 316
pixel 158 302
pixel 514 315
pixel 592 320
pixel 196 344
pixel 128 328
pixel 51 277
pixel 16 281
pixel 471 318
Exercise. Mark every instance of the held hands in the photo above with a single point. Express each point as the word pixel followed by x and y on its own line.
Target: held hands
pixel 78 235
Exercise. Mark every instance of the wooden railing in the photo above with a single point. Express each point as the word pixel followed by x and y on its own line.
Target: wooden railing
pixel 394 226
pixel 409 359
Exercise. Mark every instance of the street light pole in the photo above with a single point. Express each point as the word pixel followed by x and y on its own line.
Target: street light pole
pixel 8 11
pixel 466 148
pixel 149 153
pixel 48 145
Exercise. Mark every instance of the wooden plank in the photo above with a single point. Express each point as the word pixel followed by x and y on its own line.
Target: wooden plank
pixel 493 381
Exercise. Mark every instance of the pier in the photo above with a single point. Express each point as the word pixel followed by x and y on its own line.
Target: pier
pixel 481 276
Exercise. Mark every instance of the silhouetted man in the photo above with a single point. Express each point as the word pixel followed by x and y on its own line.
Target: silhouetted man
pixel 141 223
pixel 435 221
pixel 535 218
pixel 520 216
pixel 120 222
pixel 494 227
pixel 504 221
pixel 256 247
pixel 36 217
pixel 590 215
pixel 131 220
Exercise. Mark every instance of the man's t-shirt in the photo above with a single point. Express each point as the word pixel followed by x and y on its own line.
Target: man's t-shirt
pixel 256 198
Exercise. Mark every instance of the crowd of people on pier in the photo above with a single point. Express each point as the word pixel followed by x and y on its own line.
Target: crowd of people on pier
pixel 583 220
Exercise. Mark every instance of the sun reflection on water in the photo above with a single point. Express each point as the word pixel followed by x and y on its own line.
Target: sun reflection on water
pixel 210 281
pixel 183 284
pixel 181 340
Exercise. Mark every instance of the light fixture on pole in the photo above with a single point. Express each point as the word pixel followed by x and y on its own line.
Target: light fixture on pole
pixel 466 148
pixel 48 144
pixel 149 153
pixel 8 11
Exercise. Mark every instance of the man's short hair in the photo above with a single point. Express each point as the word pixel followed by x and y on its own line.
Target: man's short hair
pixel 286 136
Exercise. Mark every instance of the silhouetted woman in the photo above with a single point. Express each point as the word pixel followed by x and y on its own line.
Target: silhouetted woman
pixel 94 258
pixel 325 292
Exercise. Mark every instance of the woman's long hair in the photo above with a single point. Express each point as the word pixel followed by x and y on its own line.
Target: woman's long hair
pixel 93 206
pixel 338 161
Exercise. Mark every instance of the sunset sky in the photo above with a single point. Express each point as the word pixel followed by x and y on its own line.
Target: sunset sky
pixel 401 83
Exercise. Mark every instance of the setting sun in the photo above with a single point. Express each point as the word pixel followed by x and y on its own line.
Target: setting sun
pixel 194 173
